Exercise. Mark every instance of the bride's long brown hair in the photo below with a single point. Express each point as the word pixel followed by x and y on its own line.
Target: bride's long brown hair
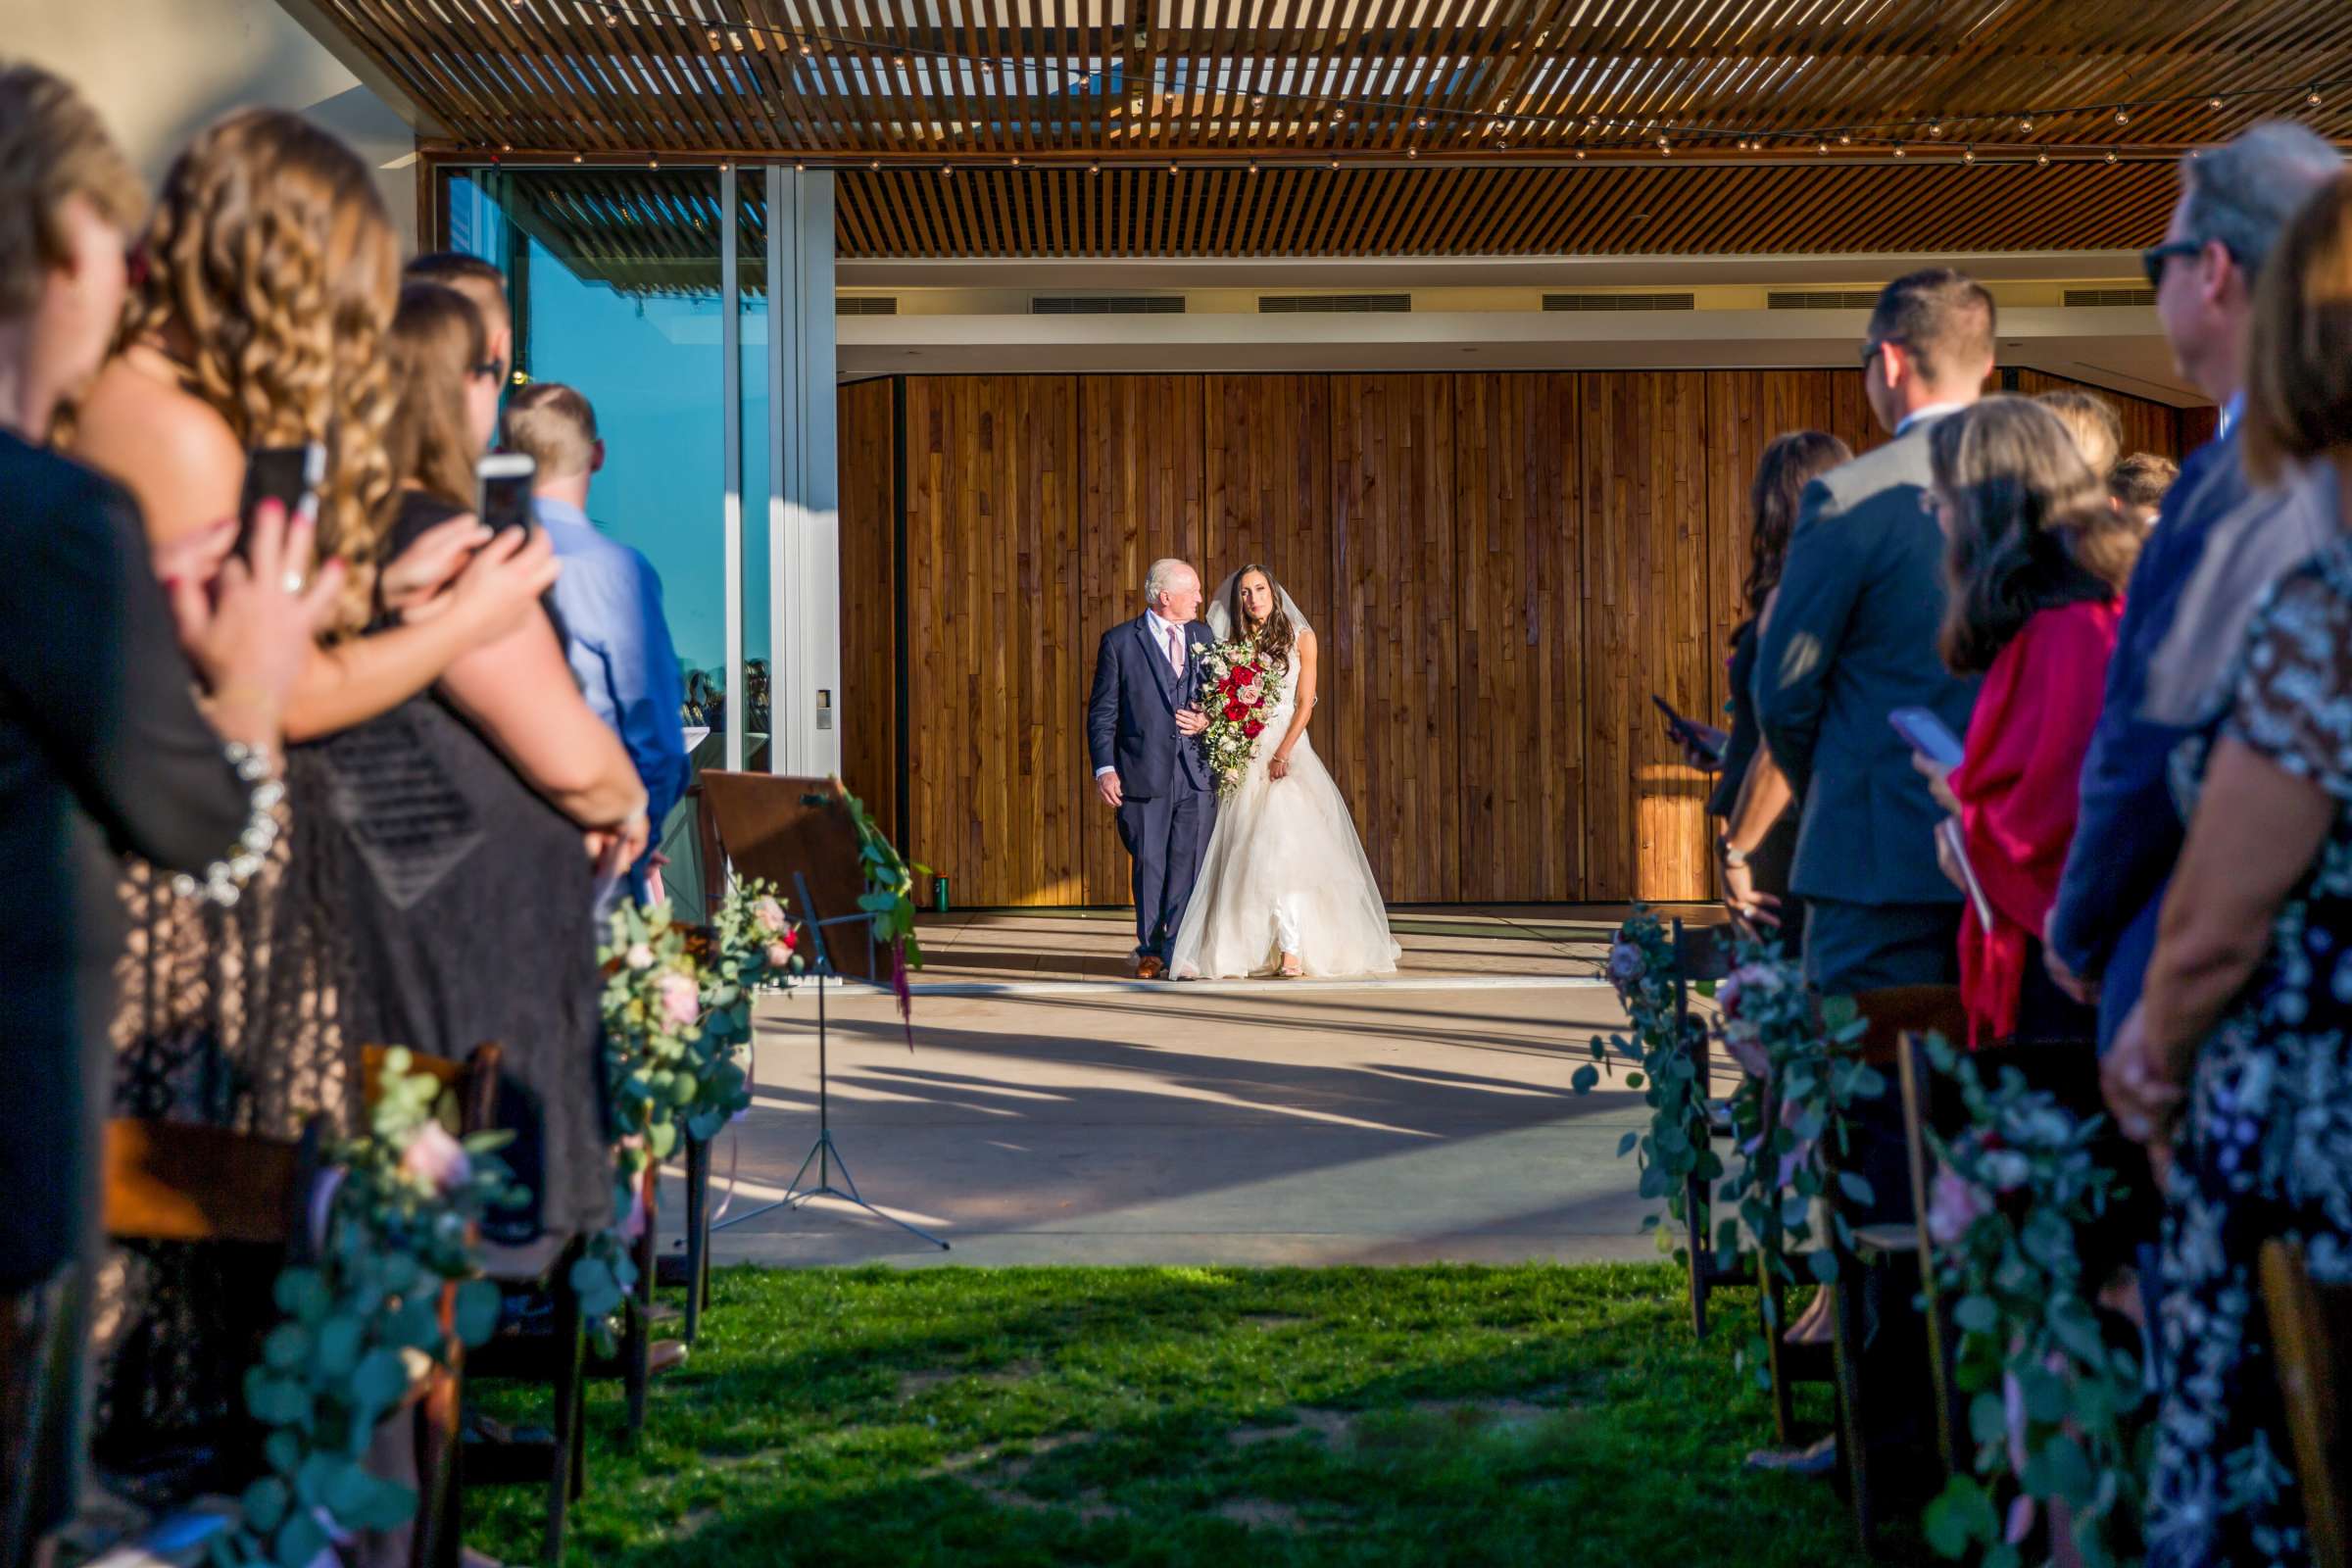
pixel 1277 636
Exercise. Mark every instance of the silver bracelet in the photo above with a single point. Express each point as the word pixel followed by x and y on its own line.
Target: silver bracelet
pixel 224 880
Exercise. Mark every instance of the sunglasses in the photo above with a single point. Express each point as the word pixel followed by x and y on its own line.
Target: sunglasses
pixel 2152 259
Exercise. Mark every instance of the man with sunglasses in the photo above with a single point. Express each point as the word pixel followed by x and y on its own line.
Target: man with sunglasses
pixel 2216 545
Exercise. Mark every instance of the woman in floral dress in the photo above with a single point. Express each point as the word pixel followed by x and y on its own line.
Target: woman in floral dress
pixel 2237 1067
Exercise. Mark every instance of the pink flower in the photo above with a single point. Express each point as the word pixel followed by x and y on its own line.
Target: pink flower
pixel 779 954
pixel 768 914
pixel 1747 1050
pixel 435 1160
pixel 632 1224
pixel 681 1002
pixel 1954 1203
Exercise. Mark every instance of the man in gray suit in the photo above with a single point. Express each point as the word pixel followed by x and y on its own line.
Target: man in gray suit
pixel 1851 637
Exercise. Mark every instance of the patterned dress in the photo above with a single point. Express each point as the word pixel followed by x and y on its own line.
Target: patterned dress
pixel 2266 1147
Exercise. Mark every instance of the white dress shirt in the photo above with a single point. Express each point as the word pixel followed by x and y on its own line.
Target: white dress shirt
pixel 1166 634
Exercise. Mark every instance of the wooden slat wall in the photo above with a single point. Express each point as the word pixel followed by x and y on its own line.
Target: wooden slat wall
pixel 1502 568
pixel 1520 633
pixel 869 679
pixel 1647 628
pixel 1387 722
pixel 996 672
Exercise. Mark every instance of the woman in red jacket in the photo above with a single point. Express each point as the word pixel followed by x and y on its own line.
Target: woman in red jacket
pixel 2034 561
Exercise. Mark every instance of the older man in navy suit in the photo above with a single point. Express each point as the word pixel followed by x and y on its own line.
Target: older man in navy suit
pixel 1139 724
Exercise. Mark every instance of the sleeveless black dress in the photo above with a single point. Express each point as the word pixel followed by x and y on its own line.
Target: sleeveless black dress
pixel 471 920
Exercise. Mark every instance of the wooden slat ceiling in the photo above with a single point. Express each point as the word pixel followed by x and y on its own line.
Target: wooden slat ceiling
pixel 1388 126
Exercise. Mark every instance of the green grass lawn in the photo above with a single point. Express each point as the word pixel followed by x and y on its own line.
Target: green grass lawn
pixel 1181 1416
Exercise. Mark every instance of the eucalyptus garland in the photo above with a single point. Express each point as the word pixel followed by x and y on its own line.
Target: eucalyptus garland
pixel 1657 1059
pixel 1800 1052
pixel 363 1320
pixel 677 1013
pixel 889 898
pixel 2053 1403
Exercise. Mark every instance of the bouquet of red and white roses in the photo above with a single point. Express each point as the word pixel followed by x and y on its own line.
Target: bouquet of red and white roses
pixel 1236 688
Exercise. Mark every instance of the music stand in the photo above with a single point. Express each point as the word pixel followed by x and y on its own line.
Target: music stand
pixel 795 826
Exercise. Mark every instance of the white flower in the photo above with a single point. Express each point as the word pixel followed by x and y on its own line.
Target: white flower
pixel 641 955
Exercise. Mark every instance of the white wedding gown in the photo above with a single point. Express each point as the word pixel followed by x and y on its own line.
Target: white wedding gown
pixel 1285 873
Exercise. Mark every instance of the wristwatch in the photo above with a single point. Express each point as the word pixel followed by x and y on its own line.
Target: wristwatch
pixel 1733 854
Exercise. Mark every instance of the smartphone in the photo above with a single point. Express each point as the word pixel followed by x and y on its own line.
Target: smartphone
pixel 288 475
pixel 1683 731
pixel 1927 735
pixel 503 490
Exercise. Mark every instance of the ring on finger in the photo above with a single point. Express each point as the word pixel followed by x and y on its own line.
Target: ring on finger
pixel 293 582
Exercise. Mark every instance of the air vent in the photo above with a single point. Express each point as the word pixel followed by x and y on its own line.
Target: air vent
pixel 2110 296
pixel 1834 298
pixel 1106 305
pixel 1620 302
pixel 1332 303
pixel 864 305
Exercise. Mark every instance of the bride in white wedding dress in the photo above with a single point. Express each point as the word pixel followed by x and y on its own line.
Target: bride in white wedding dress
pixel 1285 886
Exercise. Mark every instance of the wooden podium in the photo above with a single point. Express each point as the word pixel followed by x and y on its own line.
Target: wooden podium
pixel 770 825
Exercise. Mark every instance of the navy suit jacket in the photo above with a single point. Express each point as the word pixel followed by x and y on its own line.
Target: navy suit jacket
pixel 1851 637
pixel 2129 831
pixel 1131 717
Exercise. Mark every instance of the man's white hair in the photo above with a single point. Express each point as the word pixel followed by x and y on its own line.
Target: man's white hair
pixel 1163 577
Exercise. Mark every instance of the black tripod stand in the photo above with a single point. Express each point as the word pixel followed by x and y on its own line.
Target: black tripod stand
pixel 825 1154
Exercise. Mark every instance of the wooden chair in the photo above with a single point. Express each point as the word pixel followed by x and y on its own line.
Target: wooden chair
pixel 201 1183
pixel 555 1360
pixel 639 1357
pixel 1701 954
pixel 2311 1339
pixel 1785 1364
pixel 1931 1103
pixel 440 1427
pixel 1880 1258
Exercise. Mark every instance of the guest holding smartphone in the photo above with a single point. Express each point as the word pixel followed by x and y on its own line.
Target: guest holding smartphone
pixel 2034 562
pixel 478 918
pixel 1757 843
pixel 113 741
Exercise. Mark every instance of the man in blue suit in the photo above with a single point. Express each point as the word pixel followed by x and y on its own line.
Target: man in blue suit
pixel 2216 545
pixel 1139 724
pixel 1851 637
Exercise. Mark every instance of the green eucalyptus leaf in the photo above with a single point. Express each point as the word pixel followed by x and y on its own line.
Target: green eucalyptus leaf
pixel 287 1347
pixel 264 1505
pixel 476 1311
pixel 1977 1314
pixel 298 1541
pixel 382 1379
pixel 1961 1516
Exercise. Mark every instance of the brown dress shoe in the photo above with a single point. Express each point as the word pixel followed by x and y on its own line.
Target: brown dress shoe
pixel 1147 967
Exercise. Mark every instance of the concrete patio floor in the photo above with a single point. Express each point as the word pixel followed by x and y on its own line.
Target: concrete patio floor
pixel 1052 1113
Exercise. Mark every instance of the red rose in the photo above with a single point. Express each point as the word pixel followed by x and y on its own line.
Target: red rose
pixel 1254 728
pixel 1247 674
pixel 1236 711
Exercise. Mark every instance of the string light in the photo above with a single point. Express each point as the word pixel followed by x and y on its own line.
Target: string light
pixel 2313 98
pixel 1899 151
pixel 2042 159
pixel 2026 126
pixel 1934 129
pixel 577 158
pixel 2111 155
pixel 2122 119
pixel 1968 155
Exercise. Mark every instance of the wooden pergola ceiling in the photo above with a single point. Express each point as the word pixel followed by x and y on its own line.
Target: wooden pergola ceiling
pixel 1419 127
pixel 657 232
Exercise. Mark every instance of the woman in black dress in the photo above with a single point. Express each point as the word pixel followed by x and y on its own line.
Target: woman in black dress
pixel 1758 842
pixel 471 822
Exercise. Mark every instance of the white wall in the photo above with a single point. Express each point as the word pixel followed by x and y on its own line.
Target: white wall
pixel 159 70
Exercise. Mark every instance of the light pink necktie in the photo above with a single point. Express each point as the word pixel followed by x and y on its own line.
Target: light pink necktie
pixel 1176 649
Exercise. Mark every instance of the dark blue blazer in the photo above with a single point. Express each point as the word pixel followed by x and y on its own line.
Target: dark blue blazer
pixel 2130 832
pixel 1131 717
